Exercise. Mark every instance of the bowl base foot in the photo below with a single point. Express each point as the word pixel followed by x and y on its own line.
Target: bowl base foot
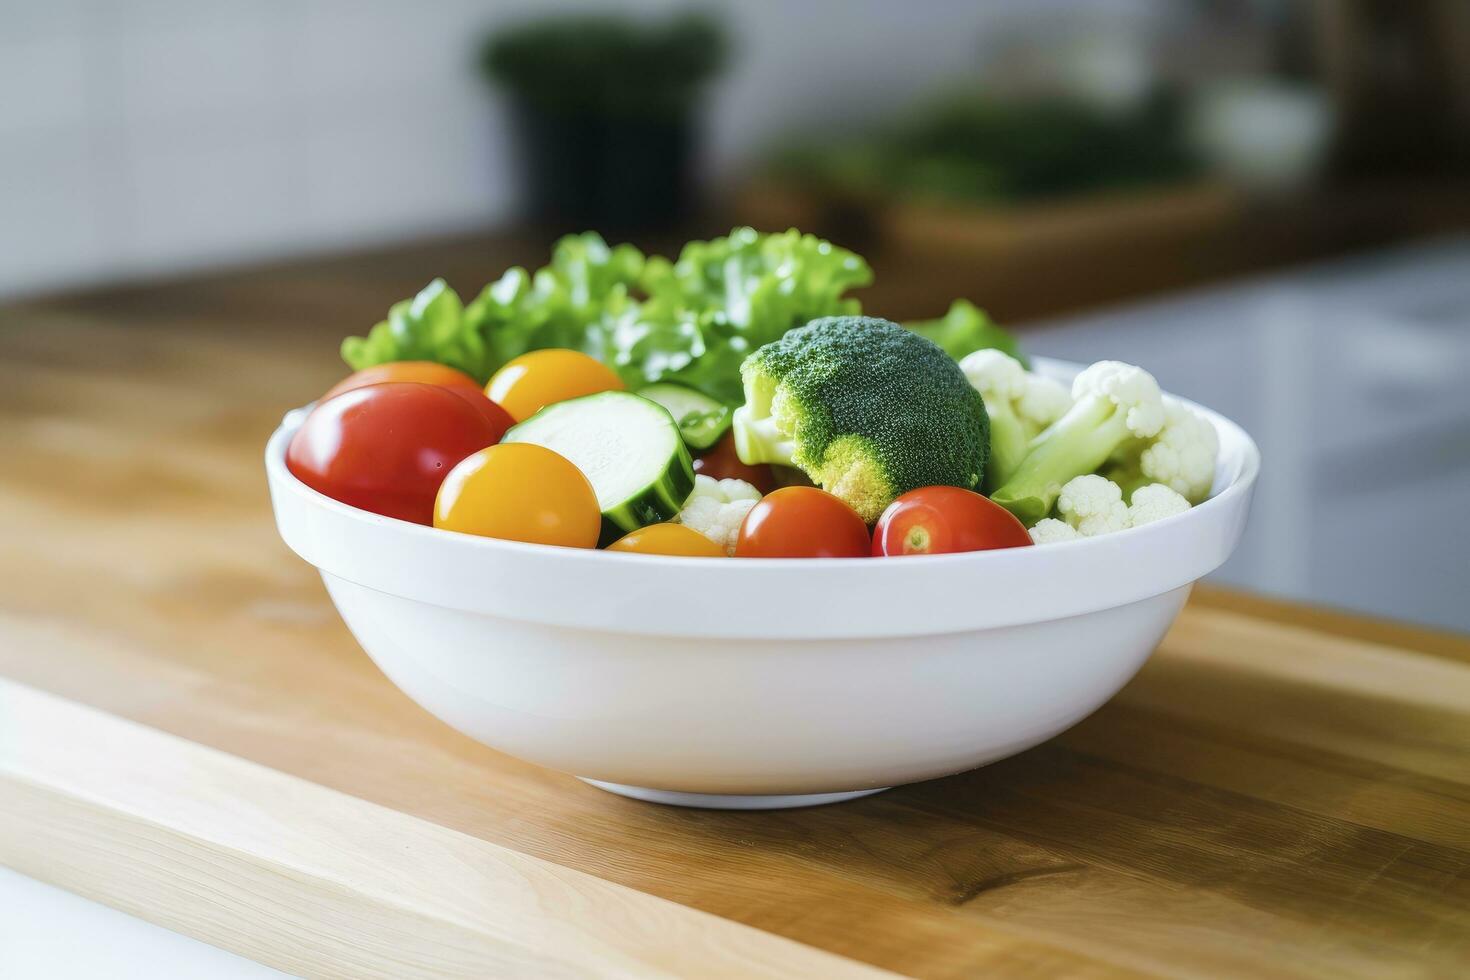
pixel 721 801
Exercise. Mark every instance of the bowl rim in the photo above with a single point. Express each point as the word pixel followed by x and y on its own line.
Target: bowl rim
pixel 1219 518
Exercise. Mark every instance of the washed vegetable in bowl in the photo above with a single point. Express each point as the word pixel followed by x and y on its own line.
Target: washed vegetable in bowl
pixel 427 372
pixel 520 492
pixel 1114 453
pixel 717 509
pixel 529 383
pixel 723 462
pixel 867 409
pixel 701 419
pixel 1019 405
pixel 734 402
pixel 967 328
pixel 945 520
pixel 667 539
pixel 1112 404
pixel 387 447
pixel 802 522
pixel 628 447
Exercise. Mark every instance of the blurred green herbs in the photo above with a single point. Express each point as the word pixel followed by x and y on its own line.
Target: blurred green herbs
pixel 972 148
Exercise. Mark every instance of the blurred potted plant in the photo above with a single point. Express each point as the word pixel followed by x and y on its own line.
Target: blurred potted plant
pixel 604 111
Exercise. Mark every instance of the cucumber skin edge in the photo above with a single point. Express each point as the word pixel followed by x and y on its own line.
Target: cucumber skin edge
pixel 697 396
pixel 658 498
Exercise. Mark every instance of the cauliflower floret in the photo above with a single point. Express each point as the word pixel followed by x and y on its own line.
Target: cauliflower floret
pixel 1019 404
pixel 1113 404
pixel 1183 456
pixel 1049 530
pixel 1093 506
pixel 995 374
pixel 1003 382
pixel 1044 401
pixel 717 508
pixel 1154 503
pixel 1129 387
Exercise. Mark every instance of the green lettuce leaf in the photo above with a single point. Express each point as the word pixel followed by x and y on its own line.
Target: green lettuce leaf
pixel 430 327
pixel 564 304
pixel 561 305
pixel 967 328
pixel 723 298
pixel 692 320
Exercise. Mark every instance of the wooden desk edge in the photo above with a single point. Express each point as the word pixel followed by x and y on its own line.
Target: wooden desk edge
pixel 197 841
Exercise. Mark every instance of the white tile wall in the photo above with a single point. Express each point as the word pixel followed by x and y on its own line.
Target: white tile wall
pixel 171 73
pixel 43 83
pixel 47 225
pixel 139 137
pixel 211 192
pixel 150 136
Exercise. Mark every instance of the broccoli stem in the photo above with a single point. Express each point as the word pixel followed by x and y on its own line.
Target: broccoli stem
pixel 761 439
pixel 1077 443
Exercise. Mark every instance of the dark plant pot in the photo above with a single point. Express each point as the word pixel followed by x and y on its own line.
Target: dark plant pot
pixel 593 171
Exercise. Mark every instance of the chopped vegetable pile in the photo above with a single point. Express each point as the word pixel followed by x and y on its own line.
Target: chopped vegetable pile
pixel 734 402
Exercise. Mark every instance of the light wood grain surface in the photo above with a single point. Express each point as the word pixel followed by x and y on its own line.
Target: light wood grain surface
pixel 1279 793
pixel 315 881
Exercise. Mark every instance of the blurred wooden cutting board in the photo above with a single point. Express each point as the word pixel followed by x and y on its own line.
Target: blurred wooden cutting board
pixel 188 732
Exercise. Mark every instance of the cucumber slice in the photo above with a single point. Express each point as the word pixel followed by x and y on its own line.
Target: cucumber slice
pixel 629 449
pixel 700 418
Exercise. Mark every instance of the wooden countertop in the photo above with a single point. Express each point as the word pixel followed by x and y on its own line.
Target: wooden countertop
pixel 188 732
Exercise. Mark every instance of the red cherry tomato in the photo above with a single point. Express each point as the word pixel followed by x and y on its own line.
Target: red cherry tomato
pixel 425 372
pixel 429 373
pixel 498 418
pixel 802 522
pixel 722 463
pixel 387 447
pixel 940 520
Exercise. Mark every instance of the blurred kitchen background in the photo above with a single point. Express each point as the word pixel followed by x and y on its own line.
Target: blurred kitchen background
pixel 1265 203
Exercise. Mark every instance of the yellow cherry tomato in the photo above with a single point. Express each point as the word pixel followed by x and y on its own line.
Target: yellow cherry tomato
pixel 668 539
pixel 529 383
pixel 520 492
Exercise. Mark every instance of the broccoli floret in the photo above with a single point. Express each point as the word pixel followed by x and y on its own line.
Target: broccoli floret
pixel 1112 403
pixel 865 408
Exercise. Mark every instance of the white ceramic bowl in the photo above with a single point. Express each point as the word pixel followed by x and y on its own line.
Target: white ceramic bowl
pixel 758 683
